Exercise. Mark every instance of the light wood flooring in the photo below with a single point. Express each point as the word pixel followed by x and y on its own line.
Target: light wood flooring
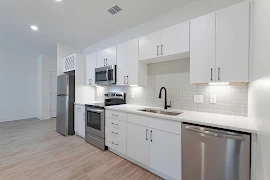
pixel 32 149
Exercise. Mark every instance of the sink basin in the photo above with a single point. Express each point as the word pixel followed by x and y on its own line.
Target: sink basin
pixel 161 112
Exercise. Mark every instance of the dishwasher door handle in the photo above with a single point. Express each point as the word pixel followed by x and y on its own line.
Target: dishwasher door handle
pixel 215 134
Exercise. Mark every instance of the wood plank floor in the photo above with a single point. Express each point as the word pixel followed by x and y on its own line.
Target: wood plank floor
pixel 32 149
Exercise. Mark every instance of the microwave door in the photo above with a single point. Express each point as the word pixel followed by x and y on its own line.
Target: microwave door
pixel 102 77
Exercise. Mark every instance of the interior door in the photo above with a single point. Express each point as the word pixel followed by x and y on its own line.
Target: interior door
pixel 149 46
pixel 165 153
pixel 121 64
pixel 138 143
pixel 232 43
pixel 53 93
pixel 175 39
pixel 203 49
pixel 133 62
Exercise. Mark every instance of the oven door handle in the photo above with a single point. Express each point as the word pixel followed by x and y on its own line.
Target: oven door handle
pixel 95 110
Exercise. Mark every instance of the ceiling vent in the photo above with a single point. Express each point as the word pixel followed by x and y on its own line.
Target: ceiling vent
pixel 114 10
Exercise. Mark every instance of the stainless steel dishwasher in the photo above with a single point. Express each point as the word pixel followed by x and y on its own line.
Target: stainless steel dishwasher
pixel 212 154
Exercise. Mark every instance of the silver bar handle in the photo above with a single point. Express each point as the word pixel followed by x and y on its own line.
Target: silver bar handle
pixel 104 62
pixel 151 136
pixel 124 79
pixel 127 79
pixel 107 73
pixel 115 115
pixel 157 50
pixel 219 73
pixel 89 82
pixel 210 133
pixel 115 124
pixel 114 133
pixel 95 110
pixel 161 49
pixel 114 144
pixel 146 134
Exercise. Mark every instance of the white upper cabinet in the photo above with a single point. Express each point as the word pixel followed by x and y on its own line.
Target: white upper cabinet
pixel 121 64
pixel 129 70
pixel 149 46
pixel 79 70
pixel 90 65
pixel 175 39
pixel 232 43
pixel 160 45
pixel 106 57
pixel 203 49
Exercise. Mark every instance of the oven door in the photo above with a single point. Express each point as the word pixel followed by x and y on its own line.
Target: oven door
pixel 105 75
pixel 95 122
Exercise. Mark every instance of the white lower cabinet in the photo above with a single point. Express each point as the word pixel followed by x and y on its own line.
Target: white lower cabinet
pixel 138 143
pixel 79 120
pixel 165 153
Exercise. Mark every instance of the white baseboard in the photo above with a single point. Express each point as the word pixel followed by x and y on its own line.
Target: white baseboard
pixel 17 118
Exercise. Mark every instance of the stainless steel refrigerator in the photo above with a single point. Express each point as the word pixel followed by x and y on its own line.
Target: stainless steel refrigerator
pixel 65 104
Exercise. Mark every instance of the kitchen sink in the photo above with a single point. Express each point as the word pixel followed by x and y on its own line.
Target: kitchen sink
pixel 161 112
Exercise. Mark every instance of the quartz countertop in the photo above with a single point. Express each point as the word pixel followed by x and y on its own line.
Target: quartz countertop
pixel 237 123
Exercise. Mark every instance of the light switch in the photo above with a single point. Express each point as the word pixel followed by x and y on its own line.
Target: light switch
pixel 213 99
pixel 198 98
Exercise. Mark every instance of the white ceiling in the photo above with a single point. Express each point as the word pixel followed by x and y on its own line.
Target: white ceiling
pixel 77 23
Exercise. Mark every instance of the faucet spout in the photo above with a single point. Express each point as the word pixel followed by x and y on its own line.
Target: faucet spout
pixel 166 105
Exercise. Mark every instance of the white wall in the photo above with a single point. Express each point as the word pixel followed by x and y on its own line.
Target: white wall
pixel 45 66
pixel 18 86
pixel 259 91
pixel 185 13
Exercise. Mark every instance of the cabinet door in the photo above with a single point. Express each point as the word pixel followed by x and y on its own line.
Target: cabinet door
pixel 121 64
pixel 133 62
pixel 79 123
pixel 101 59
pixel 175 39
pixel 80 70
pixel 110 56
pixel 90 65
pixel 165 153
pixel 138 143
pixel 149 46
pixel 203 49
pixel 232 43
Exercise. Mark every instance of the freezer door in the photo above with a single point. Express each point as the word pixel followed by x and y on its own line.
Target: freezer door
pixel 62 115
pixel 211 154
pixel 62 84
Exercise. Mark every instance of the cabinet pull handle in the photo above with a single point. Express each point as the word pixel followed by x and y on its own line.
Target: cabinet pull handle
pixel 115 124
pixel 114 143
pixel 114 115
pixel 151 136
pixel 211 74
pixel 146 134
pixel 114 133
pixel 124 79
pixel 104 62
pixel 219 74
pixel 157 50
pixel 161 49
pixel 89 82
pixel 127 79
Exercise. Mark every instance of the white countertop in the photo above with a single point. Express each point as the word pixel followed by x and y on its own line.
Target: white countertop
pixel 84 103
pixel 237 123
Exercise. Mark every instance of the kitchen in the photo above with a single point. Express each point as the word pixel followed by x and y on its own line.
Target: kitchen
pixel 200 70
pixel 175 90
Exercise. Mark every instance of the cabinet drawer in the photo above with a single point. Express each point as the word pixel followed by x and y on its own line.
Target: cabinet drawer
pixel 80 108
pixel 117 133
pixel 116 124
pixel 155 123
pixel 118 144
pixel 116 115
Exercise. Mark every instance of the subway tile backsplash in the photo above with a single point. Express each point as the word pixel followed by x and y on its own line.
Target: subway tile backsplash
pixel 174 75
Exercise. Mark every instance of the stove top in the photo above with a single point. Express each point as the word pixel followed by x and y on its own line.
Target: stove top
pixel 111 99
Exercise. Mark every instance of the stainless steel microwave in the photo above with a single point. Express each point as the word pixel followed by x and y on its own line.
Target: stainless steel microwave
pixel 106 75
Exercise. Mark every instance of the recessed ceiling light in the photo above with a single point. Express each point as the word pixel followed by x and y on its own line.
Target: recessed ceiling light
pixel 58 0
pixel 35 28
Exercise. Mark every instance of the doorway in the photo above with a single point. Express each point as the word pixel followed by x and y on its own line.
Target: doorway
pixel 53 93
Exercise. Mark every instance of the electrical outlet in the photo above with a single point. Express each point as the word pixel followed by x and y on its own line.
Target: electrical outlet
pixel 213 99
pixel 198 98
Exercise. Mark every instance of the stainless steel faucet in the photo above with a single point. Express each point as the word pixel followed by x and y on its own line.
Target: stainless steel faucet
pixel 166 105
